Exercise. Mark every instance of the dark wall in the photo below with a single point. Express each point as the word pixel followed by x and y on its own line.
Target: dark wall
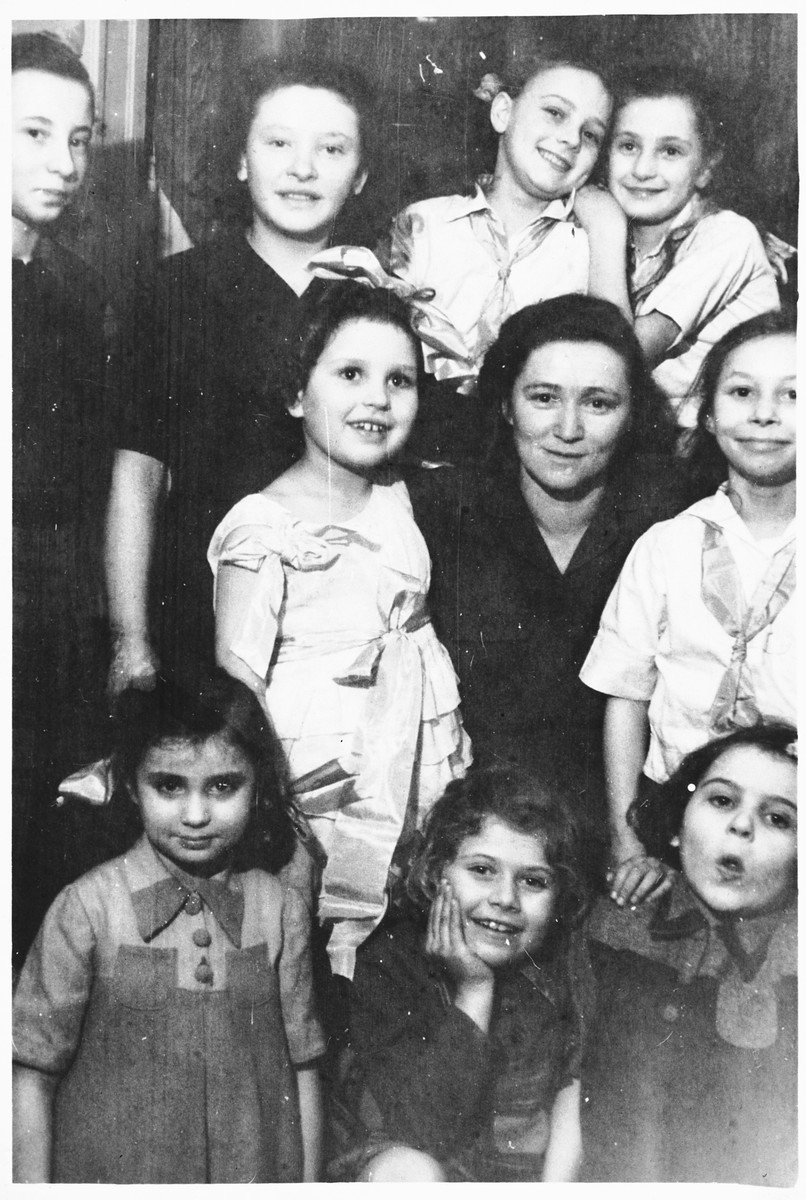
pixel 435 133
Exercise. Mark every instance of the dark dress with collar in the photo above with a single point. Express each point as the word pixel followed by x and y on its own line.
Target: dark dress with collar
pixel 61 342
pixel 690 1071
pixel 418 1072
pixel 173 1012
pixel 205 399
pixel 517 628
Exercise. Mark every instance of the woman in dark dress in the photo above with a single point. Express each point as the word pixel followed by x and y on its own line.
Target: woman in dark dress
pixel 525 552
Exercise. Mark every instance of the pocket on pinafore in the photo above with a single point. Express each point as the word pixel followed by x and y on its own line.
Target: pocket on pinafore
pixel 144 977
pixel 251 978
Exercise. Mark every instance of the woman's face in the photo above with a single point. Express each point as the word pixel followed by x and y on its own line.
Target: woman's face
pixel 302 161
pixel 738 840
pixel 569 409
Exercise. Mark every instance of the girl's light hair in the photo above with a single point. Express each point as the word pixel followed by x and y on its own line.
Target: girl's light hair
pixel 516 798
pixel 521 69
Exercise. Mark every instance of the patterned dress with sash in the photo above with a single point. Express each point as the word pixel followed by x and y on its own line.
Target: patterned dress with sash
pixel 362 694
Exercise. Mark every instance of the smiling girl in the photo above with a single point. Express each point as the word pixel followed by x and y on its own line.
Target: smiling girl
pixel 321 582
pixel 516 238
pixel 464 1038
pixel 697 270
pixel 690 1072
pixel 698 636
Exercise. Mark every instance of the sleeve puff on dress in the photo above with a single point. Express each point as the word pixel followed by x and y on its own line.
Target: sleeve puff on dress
pixel 361 693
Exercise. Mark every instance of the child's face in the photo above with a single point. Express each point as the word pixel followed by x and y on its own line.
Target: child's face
pixel 657 160
pixel 754 415
pixel 52 127
pixel 360 401
pixel 506 892
pixel 195 801
pixel 569 410
pixel 552 132
pixel 302 161
pixel 738 840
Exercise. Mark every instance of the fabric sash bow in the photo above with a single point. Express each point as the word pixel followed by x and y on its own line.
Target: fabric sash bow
pixel 734 705
pixel 373 803
pixel 498 303
pixel 428 322
pixel 666 255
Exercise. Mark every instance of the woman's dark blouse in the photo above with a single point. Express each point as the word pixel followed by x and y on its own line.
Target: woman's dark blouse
pixel 62 338
pixel 517 628
pixel 205 400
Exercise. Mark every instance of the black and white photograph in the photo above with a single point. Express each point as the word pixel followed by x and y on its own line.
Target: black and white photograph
pixel 403 601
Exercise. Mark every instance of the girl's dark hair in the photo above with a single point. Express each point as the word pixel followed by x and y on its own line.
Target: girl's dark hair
pixel 327 312
pixel 658 817
pixel 216 705
pixel 46 52
pixel 574 318
pixel 516 798
pixel 658 80
pixel 265 75
pixel 705 462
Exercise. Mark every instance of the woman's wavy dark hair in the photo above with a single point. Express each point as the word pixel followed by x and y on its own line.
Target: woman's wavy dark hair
pixel 216 705
pixel 574 318
pixel 658 817
pixel 325 314
pixel 705 463
pixel 516 798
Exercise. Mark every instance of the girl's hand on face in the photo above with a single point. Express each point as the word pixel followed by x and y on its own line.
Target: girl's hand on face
pixel 638 878
pixel 445 941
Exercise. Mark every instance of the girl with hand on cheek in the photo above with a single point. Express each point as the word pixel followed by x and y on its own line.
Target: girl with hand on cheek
pixel 163 1023
pixel 690 1072
pixel 461 1062
pixel 698 636
pixel 321 582
pixel 697 269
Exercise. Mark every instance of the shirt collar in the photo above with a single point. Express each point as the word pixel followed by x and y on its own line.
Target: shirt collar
pixel 689 215
pixel 718 510
pixel 160 891
pixel 560 209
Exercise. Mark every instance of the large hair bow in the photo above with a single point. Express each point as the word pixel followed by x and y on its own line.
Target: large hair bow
pixel 93 784
pixel 428 322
